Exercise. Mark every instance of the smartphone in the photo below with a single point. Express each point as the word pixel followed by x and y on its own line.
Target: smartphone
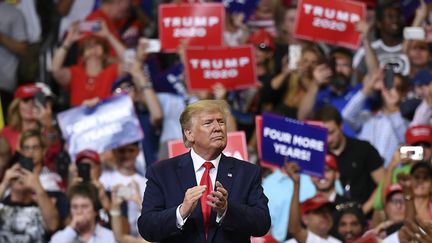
pixel 41 98
pixel 26 163
pixel 294 54
pixel 414 33
pixel 62 161
pixel 129 55
pixel 124 192
pixel 90 26
pixel 153 45
pixel 84 171
pixel 411 152
pixel 388 76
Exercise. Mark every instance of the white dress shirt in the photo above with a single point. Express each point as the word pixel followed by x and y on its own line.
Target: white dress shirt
pixel 199 169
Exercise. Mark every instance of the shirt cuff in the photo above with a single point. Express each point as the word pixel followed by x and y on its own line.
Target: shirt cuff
pixel 219 218
pixel 179 220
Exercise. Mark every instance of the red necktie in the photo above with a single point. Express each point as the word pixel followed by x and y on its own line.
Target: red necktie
pixel 206 181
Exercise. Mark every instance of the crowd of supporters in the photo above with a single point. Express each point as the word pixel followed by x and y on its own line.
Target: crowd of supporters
pixel 50 61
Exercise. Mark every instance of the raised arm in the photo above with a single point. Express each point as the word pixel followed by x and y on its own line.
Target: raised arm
pixel 62 74
pixel 371 59
pixel 145 90
pixel 49 211
pixel 294 225
pixel 321 75
pixel 420 16
pixel 118 46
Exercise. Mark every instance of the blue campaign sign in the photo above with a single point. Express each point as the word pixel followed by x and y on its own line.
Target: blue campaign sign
pixel 288 139
pixel 112 123
pixel 240 6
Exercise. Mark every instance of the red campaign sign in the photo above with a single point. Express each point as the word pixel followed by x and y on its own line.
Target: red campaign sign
pixel 236 146
pixel 199 24
pixel 332 22
pixel 233 67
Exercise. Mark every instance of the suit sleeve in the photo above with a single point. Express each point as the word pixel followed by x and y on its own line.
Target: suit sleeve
pixel 156 221
pixel 250 218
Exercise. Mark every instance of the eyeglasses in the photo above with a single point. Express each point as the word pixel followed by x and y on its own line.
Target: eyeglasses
pixel 33 148
pixel 348 205
pixel 27 100
pixel 399 201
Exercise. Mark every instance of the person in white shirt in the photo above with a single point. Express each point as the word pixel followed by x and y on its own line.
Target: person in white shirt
pixel 124 174
pixel 315 213
pixel 84 206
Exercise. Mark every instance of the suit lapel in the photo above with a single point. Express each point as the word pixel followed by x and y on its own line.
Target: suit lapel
pixel 225 176
pixel 186 172
pixel 186 177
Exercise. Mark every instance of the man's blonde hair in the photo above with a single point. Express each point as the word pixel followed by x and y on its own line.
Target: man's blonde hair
pixel 197 108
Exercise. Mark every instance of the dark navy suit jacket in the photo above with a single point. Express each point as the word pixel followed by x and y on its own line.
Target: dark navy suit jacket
pixel 247 213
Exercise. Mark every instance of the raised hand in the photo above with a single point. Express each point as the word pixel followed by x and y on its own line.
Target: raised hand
pixel 190 200
pixel 293 171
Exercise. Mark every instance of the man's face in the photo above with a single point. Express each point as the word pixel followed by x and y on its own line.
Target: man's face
pixel 349 227
pixel 319 221
pixel 395 207
pixel 32 148
pixel 343 65
pixel 422 182
pixel 289 20
pixel 208 132
pixel 334 135
pixel 391 23
pixel 327 182
pixel 126 155
pixel 82 207
pixel 418 53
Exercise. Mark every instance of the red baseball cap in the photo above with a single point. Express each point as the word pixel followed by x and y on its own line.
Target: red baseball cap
pixel 392 189
pixel 417 134
pixel 89 154
pixel 313 203
pixel 330 161
pixel 262 39
pixel 26 91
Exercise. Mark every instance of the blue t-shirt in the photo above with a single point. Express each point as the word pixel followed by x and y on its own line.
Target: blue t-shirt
pixel 278 188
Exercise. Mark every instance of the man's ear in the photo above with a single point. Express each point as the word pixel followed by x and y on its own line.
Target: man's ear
pixel 189 135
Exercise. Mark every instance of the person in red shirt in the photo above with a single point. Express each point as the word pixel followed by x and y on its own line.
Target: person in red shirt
pixel 124 18
pixel 92 77
pixel 25 114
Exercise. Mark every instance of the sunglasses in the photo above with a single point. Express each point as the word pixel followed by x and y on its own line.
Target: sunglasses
pixel 348 205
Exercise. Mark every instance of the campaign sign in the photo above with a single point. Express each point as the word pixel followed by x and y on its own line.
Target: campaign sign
pixel 240 6
pixel 110 124
pixel 233 67
pixel 284 139
pixel 236 146
pixel 332 22
pixel 199 24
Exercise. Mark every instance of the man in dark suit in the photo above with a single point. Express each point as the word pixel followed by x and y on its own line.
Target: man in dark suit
pixel 180 202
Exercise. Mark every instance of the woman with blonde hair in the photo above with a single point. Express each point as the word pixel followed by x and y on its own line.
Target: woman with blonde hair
pixel 25 114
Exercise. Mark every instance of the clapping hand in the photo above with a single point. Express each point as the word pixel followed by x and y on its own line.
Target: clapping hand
pixel 218 199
